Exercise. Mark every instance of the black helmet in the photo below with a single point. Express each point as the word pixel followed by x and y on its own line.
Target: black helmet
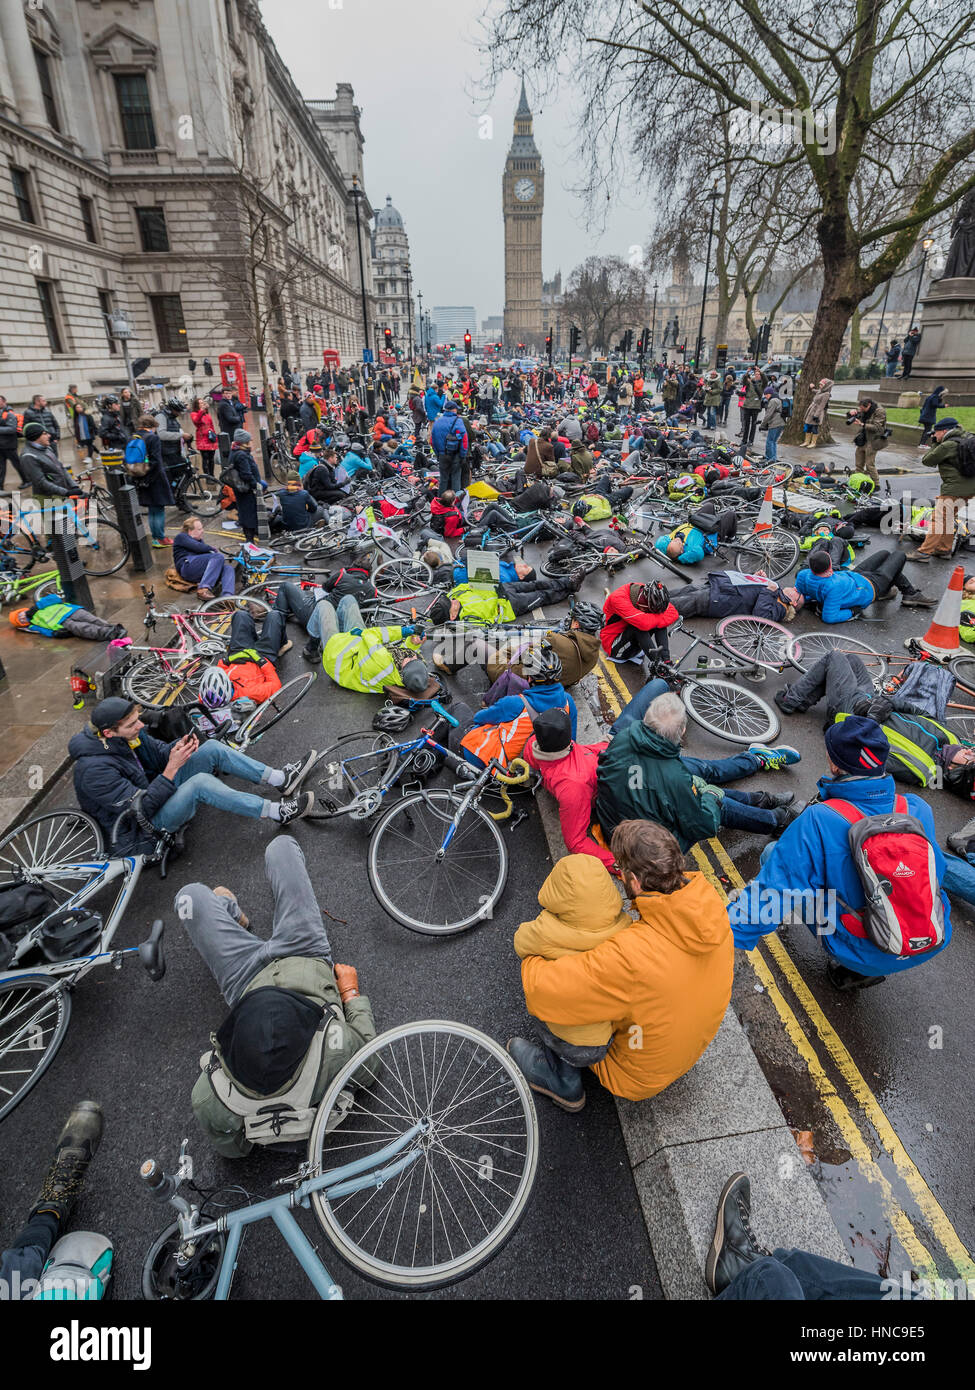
pixel 654 598
pixel 542 665
pixel 109 400
pixel 175 406
pixel 588 616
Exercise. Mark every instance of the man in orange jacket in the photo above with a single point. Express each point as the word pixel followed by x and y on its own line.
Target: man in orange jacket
pixel 250 660
pixel 665 982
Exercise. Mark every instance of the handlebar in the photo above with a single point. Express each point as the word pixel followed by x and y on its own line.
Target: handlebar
pixel 439 709
pixel 159 1183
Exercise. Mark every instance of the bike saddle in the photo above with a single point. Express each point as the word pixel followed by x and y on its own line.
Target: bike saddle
pixel 151 952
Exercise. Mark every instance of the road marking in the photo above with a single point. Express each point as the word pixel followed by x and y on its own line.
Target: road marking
pixel 928 1204
pixel 614 676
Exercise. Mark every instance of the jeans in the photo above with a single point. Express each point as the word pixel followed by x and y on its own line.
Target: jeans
pixel 890 368
pixel 233 954
pixel 207 571
pixel 712 418
pixel 883 569
pixel 959 877
pixel 799 1276
pixel 27 1255
pixel 157 523
pixel 196 786
pixel 840 676
pixel 243 634
pixel 575 1055
pixel 771 441
pixel 320 618
pixel 739 812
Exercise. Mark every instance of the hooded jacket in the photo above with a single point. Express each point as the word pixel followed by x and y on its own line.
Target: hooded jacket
pixel 572 782
pixel 581 908
pixel 665 983
pixel 664 791
pixel 817 406
pixel 432 402
pixel 107 774
pixel 814 854
pixel 841 595
pixel 620 611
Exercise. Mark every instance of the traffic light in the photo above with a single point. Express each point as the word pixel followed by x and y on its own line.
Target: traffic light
pixel 388 335
pixel 639 346
pixel 681 347
pixel 467 343
pixel 548 343
pixel 574 336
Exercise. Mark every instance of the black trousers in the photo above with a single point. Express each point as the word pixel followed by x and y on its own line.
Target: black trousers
pixel 840 676
pixel 883 569
pixel 243 634
pixel 10 455
pixel 632 641
pixel 749 421
pixel 526 594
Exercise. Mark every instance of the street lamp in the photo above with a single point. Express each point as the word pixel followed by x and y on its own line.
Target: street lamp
pixel 357 196
pixel 707 264
pixel 653 324
pixel 926 244
pixel 409 309
pixel 120 327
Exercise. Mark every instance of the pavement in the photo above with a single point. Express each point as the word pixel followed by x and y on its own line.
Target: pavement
pixel 849 1112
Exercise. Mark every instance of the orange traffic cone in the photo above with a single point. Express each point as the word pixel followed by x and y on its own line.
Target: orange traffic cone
pixel 942 637
pixel 763 522
pixel 625 451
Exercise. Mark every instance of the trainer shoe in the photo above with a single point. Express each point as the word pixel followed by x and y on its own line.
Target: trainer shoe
pixel 960 841
pixel 919 557
pixel 295 773
pixel 774 759
pixel 312 652
pixel 734 1245
pixel 76 1147
pixel 296 809
pixel 235 909
pixel 285 646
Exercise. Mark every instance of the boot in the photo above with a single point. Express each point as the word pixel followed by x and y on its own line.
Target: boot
pixel 781 698
pixel 917 600
pixel 734 1245
pixel 312 651
pixel 547 1074
pixel 961 840
pixel 813 440
pixel 774 801
pixel 846 980
pixel 784 816
pixel 76 1147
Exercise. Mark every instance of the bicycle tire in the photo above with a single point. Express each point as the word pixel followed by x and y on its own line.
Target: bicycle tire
pixel 746 717
pixel 453 1156
pixel 758 640
pixel 426 823
pixel 49 588
pixel 201 494
pixel 775 553
pixel 19 556
pixel 47 845
pixel 567 566
pixel 402 578
pixel 148 681
pixel 105 552
pixel 331 541
pixel 279 704
pixel 213 617
pixel 280 465
pixel 334 786
pixel 160 1252
pixel 60 1001
pixel 809 647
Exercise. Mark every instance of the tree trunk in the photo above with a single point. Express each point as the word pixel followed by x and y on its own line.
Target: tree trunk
pixel 839 298
pixel 856 342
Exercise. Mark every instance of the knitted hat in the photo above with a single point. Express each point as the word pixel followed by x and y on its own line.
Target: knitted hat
pixel 33 431
pixel 858 746
pixel 553 735
pixel 241 437
pixel 948 422
pixel 293 477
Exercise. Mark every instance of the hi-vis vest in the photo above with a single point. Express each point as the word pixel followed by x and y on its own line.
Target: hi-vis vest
pixel 362 663
pixel 502 741
pixel 286 1116
pixel 915 740
pixel 482 604
pixel 51 616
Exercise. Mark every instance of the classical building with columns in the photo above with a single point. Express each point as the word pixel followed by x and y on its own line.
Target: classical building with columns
pixel 392 278
pixel 140 144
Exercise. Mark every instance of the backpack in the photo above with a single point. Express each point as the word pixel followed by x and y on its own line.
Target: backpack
pixel 452 444
pixel 502 741
pixel 966 455
pixel 902 912
pixel 136 457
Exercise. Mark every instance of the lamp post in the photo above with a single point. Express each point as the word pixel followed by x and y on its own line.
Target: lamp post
pixel 357 196
pixel 653 325
pixel 704 292
pixel 880 326
pixel 409 309
pixel 926 245
pixel 121 328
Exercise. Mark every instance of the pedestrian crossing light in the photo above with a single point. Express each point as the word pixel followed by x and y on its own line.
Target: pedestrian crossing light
pixel 574 336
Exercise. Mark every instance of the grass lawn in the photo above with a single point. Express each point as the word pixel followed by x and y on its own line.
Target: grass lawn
pixel 965 415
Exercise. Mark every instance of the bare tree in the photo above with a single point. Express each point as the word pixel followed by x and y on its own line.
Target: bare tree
pixel 604 296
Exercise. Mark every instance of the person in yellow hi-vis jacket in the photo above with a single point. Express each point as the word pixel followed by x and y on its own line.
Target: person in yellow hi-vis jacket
pixel 371 659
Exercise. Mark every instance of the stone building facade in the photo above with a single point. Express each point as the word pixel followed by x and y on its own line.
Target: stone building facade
pixel 140 144
pixel 523 199
pixel 392 280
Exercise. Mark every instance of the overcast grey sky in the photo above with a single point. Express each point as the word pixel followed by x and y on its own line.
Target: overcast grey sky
pixel 412 64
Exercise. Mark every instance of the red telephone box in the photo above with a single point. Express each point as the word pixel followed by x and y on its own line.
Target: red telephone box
pixel 331 359
pixel 234 373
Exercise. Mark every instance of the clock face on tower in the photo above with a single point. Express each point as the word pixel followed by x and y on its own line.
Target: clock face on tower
pixel 525 190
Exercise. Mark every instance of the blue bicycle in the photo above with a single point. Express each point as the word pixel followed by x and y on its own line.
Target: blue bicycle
pixel 421 1161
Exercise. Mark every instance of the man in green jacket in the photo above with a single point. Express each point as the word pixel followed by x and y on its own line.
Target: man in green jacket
pixel 956 489
pixel 295 1018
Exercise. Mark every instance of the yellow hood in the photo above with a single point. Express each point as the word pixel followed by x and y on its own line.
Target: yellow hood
pixel 581 908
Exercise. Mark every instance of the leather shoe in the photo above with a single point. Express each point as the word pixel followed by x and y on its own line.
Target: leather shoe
pixel 734 1245
pixel 548 1074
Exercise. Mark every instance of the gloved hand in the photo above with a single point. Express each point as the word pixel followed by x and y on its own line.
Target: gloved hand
pixel 701 787
pixel 347 979
pixel 409 630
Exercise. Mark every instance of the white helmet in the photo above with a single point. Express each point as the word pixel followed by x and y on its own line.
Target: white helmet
pixel 216 688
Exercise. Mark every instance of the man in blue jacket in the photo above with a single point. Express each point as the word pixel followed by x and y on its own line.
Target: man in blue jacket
pixel 689 543
pixel 448 438
pixel 433 402
pixel 843 594
pixel 813 856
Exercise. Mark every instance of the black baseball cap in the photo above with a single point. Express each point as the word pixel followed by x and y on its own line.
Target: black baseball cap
pixel 108 713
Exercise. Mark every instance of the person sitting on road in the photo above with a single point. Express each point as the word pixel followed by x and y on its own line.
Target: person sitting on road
pixel 200 563
pixel 581 909
pixel 355 460
pixel 322 482
pixel 643 775
pixel 576 643
pixel 814 863
pixel 665 980
pixel 637 617
pixel 501 730
pixel 251 659
pixel 295 1017
pixel 843 594
pixel 690 542
pixel 446 517
pixel 114 759
pixel 299 510
pixel 724 593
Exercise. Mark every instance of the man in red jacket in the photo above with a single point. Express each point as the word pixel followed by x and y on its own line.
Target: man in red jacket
pixel 637 617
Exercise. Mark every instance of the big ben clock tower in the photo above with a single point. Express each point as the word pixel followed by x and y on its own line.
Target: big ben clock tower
pixel 523 188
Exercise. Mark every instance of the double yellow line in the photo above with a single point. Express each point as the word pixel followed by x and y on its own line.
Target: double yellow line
pixel 826 1041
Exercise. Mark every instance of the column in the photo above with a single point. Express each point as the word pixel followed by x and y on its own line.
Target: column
pixel 24 81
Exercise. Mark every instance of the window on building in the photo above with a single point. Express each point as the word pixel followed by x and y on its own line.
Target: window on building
pixel 20 179
pixel 152 229
pixel 135 111
pixel 167 311
pixel 105 304
pixel 49 312
pixel 47 89
pixel 88 217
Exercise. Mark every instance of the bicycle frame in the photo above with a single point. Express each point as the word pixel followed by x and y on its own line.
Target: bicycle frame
pixel 13 588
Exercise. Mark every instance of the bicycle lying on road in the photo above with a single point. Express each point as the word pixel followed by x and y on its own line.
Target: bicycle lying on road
pixel 417 1179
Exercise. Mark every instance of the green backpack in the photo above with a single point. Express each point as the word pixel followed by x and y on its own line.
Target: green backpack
pixel 597 507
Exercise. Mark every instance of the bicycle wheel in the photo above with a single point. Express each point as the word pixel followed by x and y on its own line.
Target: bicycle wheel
pixel 276 707
pixel 425 887
pixel 17 552
pixel 757 639
pixel 213 617
pixel 34 1016
pixel 450 1210
pixel 357 763
pixel 727 710
pixel 327 542
pixel 775 552
pixel 402 578
pixel 47 589
pixel 565 566
pixel 281 465
pixel 61 849
pixel 810 647
pixel 150 682
pixel 202 494
pixel 103 550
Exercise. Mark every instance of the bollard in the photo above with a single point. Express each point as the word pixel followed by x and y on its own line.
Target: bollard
pixel 223 440
pixel 74 581
pixel 263 520
pixel 128 512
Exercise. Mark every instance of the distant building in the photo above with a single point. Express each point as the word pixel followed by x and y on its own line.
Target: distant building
pixel 391 276
pixel 523 203
pixel 452 321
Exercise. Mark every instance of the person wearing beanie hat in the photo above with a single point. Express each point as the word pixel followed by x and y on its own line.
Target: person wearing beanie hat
pixel 809 874
pixel 242 463
pixel 41 467
pixel 956 489
pixel 241 437
pixel 843 594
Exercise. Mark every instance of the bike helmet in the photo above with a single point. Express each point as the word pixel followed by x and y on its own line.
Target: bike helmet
pixel 358 449
pixel 216 688
pixel 654 598
pixel 542 665
pixel 109 400
pixel 392 719
pixel 588 616
pixel 175 406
